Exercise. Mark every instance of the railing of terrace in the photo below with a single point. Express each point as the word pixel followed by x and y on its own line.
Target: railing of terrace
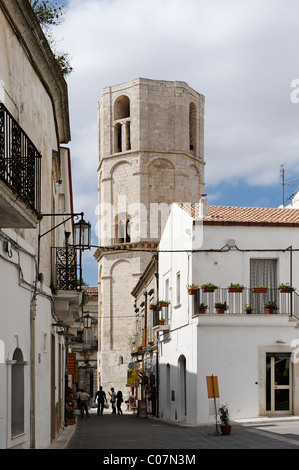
pixel 287 303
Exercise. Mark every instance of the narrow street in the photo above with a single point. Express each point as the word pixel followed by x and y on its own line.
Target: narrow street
pixel 128 432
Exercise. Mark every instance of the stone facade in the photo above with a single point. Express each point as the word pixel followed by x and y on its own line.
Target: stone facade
pixel 151 153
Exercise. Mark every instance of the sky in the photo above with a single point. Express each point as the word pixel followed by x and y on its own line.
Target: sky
pixel 242 55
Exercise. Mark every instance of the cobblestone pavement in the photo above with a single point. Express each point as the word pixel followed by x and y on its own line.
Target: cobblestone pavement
pixel 128 432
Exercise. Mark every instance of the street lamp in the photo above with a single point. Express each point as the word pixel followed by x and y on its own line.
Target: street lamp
pixel 82 234
pixel 87 321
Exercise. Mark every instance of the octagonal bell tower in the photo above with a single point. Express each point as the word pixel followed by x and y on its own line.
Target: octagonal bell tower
pixel 151 154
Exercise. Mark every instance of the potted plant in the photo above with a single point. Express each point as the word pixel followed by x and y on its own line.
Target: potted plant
pixel 220 307
pixel 248 308
pixel 152 306
pixel 235 288
pixel 271 306
pixel 259 290
pixel 208 287
pixel 163 303
pixel 202 308
pixel 161 321
pixel 286 288
pixel 71 415
pixel 192 288
pixel 225 425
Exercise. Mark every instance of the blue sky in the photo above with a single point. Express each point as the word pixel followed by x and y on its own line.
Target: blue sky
pixel 241 54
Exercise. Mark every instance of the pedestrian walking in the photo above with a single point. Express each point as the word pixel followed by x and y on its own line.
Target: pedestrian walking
pixel 83 398
pixel 101 396
pixel 119 400
pixel 113 400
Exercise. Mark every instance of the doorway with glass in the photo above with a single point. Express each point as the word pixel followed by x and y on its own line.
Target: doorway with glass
pixel 278 384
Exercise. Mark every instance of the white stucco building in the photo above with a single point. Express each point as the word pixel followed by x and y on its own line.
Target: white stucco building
pixel 38 286
pixel 252 355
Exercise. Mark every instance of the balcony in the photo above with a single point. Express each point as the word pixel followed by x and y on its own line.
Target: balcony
pixel 20 175
pixel 161 319
pixel 287 303
pixel 67 296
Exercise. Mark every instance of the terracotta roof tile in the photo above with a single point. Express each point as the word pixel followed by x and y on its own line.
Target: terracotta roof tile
pixel 244 215
pixel 90 290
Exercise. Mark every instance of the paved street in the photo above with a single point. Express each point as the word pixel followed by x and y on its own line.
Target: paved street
pixel 130 432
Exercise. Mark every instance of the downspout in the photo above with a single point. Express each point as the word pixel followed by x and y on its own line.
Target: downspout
pixel 157 355
pixel 32 370
pixel 32 356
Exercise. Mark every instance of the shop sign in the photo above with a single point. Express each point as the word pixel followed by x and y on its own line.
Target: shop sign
pixel 72 363
pixel 131 378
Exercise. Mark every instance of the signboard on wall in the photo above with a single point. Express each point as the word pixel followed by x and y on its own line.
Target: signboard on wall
pixel 72 363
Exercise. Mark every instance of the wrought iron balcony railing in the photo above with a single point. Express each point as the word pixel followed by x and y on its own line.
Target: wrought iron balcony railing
pixel 20 161
pixel 64 268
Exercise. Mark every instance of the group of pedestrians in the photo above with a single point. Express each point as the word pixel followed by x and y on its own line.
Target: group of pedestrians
pixel 116 400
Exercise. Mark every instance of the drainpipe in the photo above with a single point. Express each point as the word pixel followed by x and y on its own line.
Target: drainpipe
pixel 157 355
pixel 291 277
pixel 32 370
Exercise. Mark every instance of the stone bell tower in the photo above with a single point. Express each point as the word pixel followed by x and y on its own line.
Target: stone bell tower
pixel 151 154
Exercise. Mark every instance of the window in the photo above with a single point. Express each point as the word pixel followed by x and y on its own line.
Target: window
pixel 123 234
pixel 121 108
pixel 178 288
pixel 192 127
pixel 122 130
pixel 117 138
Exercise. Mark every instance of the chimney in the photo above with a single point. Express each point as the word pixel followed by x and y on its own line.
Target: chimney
pixel 203 206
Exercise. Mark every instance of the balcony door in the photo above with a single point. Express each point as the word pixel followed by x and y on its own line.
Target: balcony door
pixel 263 272
pixel 278 384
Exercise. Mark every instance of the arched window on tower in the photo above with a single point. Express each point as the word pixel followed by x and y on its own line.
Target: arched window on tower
pixel 123 231
pixel 117 138
pixel 121 108
pixel 122 124
pixel 192 128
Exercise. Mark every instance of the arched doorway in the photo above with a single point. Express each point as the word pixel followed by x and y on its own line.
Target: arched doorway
pixel 182 388
pixel 17 394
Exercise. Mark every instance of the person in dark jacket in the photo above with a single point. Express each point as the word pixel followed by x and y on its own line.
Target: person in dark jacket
pixel 119 400
pixel 101 396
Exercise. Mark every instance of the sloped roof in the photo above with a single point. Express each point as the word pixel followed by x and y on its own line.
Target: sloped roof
pixel 233 215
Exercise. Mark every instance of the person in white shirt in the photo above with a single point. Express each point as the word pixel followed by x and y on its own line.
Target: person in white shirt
pixel 83 399
pixel 113 400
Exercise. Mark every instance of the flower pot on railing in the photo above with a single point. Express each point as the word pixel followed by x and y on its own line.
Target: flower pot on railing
pixel 259 290
pixel 162 303
pixel 237 288
pixel 161 322
pixel 192 288
pixel 286 288
pixel 208 287
pixel 152 306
